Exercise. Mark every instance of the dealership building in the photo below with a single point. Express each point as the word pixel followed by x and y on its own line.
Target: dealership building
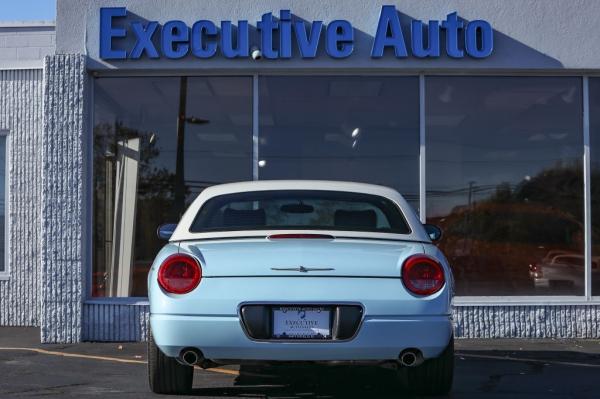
pixel 485 115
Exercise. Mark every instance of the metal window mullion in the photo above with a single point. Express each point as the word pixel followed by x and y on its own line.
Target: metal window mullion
pixel 255 127
pixel 7 191
pixel 587 192
pixel 89 247
pixel 422 182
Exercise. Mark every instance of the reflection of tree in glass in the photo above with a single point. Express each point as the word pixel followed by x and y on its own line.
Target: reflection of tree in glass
pixel 546 208
pixel 495 239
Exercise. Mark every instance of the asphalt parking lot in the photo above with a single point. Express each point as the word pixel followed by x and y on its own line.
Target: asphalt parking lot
pixel 484 369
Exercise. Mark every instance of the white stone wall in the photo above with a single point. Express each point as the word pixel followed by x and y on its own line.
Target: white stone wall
pixel 527 321
pixel 112 322
pixel 21 114
pixel 62 198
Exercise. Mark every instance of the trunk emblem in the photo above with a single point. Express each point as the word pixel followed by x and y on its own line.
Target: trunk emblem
pixel 302 269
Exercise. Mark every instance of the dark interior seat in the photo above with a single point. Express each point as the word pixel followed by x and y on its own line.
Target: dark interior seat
pixel 366 220
pixel 244 218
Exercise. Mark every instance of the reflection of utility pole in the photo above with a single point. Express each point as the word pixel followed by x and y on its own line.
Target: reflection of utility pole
pixel 471 185
pixel 467 241
pixel 182 119
pixel 179 203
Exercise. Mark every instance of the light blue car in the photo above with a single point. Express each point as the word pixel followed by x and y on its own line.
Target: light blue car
pixel 300 271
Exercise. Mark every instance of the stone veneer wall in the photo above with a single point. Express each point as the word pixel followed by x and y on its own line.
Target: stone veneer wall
pixel 21 114
pixel 63 199
pixel 115 322
pixel 527 321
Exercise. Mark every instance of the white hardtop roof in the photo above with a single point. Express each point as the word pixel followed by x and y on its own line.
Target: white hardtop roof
pixel 182 232
pixel 325 185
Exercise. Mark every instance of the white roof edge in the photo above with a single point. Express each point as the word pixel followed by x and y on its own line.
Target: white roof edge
pixel 333 185
pixel 27 24
pixel 13 65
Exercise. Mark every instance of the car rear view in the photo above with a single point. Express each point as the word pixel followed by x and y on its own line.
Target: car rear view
pixel 300 271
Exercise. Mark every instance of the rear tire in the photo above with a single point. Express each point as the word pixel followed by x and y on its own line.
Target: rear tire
pixel 165 374
pixel 433 377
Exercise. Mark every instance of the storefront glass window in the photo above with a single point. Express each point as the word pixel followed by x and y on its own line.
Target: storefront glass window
pixel 504 181
pixel 351 128
pixel 149 164
pixel 594 94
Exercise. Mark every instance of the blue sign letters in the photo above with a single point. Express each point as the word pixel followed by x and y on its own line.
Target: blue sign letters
pixel 108 32
pixel 143 43
pixel 280 38
pixel 204 44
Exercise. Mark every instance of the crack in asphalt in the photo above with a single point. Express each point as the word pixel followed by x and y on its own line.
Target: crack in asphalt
pixel 527 360
pixel 494 380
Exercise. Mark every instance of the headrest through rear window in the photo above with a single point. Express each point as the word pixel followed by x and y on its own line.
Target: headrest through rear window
pixel 244 218
pixel 355 219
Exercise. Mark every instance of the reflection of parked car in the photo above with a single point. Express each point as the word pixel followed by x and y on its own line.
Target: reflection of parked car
pixel 561 269
pixel 490 244
pixel 300 271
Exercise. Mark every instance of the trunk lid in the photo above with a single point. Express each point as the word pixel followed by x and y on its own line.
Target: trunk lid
pixel 301 257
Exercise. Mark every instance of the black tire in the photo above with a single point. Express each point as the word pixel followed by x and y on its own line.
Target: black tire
pixel 165 374
pixel 433 377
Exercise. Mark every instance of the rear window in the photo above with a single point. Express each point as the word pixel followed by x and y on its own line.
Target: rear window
pixel 300 209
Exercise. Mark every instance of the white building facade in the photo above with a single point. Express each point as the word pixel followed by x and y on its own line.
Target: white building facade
pixel 484 115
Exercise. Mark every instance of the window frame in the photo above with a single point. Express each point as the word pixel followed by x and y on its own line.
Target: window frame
pixel 586 299
pixel 5 274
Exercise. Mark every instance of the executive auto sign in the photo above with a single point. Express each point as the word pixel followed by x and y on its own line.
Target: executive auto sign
pixel 280 36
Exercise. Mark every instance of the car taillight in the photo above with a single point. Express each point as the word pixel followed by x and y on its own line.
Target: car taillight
pixel 179 274
pixel 422 275
pixel 532 267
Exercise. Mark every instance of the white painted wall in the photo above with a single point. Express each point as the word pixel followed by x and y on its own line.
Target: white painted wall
pixel 529 34
pixel 23 45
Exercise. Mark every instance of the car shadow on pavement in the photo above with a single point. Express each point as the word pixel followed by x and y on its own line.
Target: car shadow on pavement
pixel 478 373
pixel 310 382
pixel 289 393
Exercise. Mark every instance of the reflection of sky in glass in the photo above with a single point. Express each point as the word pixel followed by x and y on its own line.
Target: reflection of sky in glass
pixel 486 131
pixel 150 105
pixel 594 87
pixel 594 94
pixel 351 128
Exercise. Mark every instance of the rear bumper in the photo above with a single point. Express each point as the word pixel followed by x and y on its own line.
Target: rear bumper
pixel 379 338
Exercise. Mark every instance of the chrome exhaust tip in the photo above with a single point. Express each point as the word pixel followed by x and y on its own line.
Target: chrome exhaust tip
pixel 190 357
pixel 411 358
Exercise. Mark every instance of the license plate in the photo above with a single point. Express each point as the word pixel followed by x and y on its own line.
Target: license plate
pixel 299 322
